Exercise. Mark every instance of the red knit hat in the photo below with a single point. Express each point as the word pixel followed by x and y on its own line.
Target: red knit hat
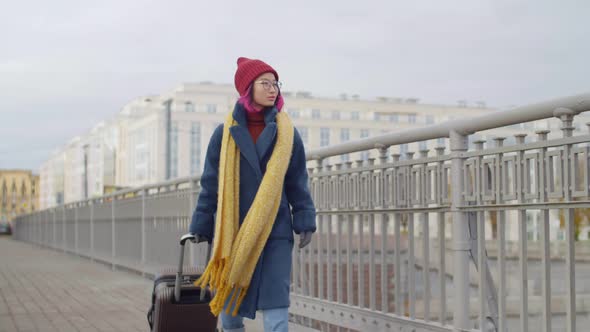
pixel 248 70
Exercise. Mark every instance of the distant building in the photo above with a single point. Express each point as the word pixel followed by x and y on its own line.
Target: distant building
pixel 19 193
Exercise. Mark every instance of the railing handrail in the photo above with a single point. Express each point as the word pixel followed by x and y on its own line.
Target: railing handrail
pixel 567 105
pixel 120 192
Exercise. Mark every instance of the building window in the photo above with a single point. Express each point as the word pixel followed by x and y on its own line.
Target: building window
pixel 412 118
pixel 344 137
pixel 364 134
pixel 324 136
pixel 315 114
pixel 13 195
pixel 430 119
pixel 423 146
pixel 376 116
pixel 211 108
pixel 335 115
pixel 441 141
pixel 403 149
pixel 195 148
pixel 294 113
pixel 393 117
pixel 304 133
pixel 174 150
pixel 4 194
pixel 189 107
pixel 355 116
pixel 344 134
pixel 141 153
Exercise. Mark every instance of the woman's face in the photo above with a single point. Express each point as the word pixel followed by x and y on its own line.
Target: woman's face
pixel 264 90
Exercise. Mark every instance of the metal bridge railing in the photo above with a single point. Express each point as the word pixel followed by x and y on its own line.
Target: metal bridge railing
pixel 434 241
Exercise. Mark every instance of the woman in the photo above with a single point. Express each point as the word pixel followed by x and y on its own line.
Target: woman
pixel 254 195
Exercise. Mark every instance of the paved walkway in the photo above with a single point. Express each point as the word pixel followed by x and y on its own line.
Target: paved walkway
pixel 45 290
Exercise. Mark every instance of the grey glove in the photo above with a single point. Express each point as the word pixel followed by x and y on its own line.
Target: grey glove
pixel 305 239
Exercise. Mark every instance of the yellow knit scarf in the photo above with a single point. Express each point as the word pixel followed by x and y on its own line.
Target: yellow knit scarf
pixel 236 248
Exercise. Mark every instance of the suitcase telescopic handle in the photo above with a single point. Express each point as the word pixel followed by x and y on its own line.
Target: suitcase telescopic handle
pixel 183 240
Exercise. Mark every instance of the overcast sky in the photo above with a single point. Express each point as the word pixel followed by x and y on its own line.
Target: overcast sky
pixel 66 65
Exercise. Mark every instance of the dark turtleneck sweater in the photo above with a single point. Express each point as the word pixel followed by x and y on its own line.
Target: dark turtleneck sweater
pixel 255 124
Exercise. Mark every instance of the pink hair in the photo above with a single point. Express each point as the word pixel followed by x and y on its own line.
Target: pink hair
pixel 248 103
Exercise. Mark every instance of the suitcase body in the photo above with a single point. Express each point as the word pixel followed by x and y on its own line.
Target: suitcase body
pixel 178 305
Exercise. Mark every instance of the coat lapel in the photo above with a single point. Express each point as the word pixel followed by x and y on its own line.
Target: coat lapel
pixel 268 134
pixel 254 153
pixel 266 139
pixel 244 141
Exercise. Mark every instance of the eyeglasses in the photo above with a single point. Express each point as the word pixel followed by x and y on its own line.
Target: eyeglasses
pixel 268 84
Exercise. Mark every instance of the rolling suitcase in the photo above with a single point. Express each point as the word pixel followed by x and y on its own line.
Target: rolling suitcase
pixel 178 305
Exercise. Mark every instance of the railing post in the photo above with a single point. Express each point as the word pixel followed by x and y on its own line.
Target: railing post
pixel 478 244
pixel 336 196
pixel 545 242
pixel 425 221
pixel 397 265
pixel 39 232
pixel 92 254
pixel 328 224
pixel 460 234
pixel 314 245
pixel 192 202
pixel 411 275
pixel 384 221
pixel 63 228
pixel 320 201
pixel 358 220
pixel 567 117
pixel 440 151
pixel 522 233
pixel 44 228
pixel 113 237
pixel 501 231
pixel 76 250
pixel 33 231
pixel 55 246
pixel 371 205
pixel 143 228
pixel 349 231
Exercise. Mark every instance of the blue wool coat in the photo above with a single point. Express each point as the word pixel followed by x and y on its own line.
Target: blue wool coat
pixel 270 283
